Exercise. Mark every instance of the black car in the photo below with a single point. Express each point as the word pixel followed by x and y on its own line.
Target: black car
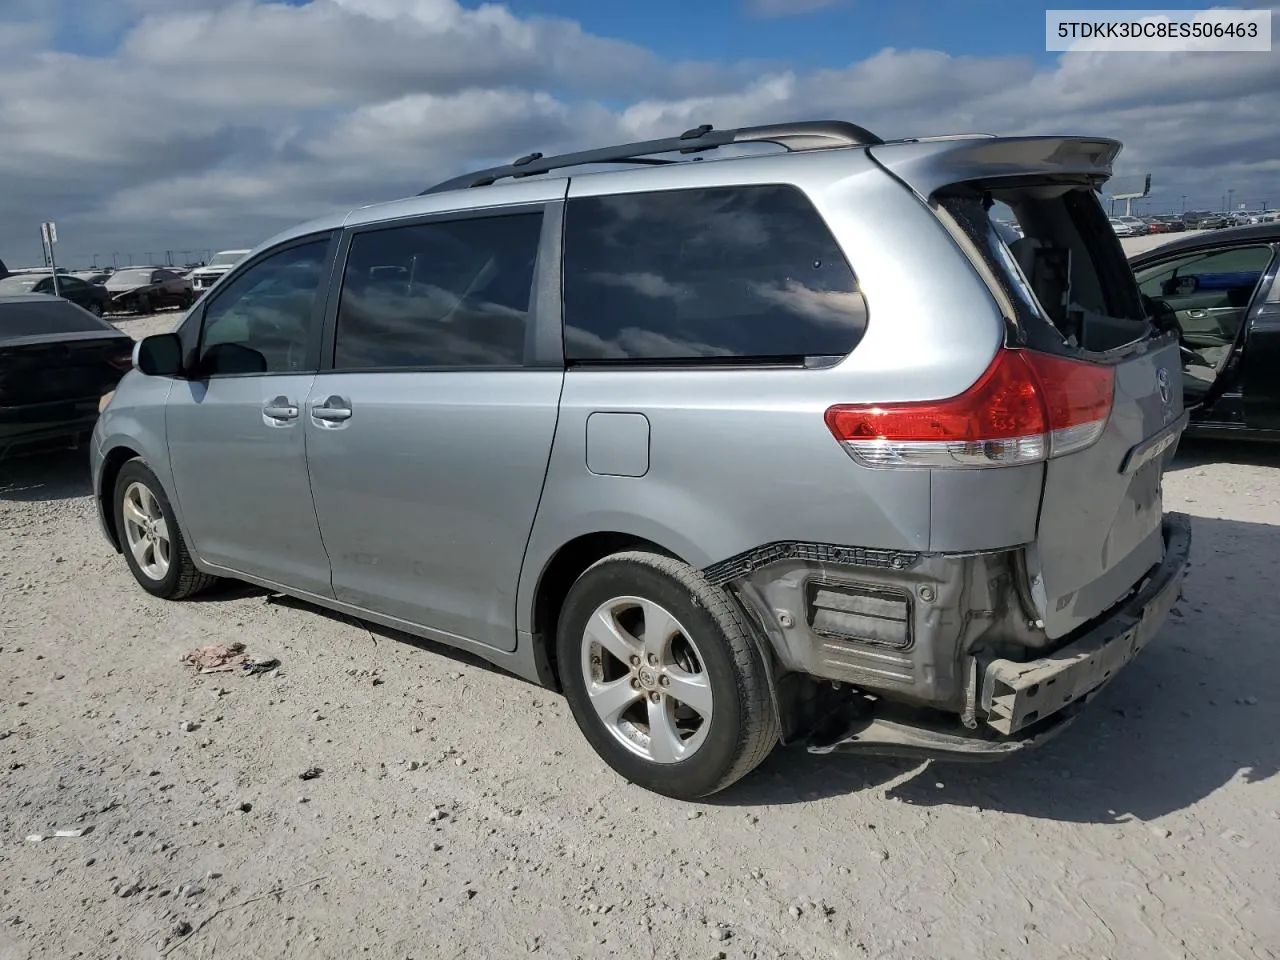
pixel 57 361
pixel 1221 290
pixel 92 296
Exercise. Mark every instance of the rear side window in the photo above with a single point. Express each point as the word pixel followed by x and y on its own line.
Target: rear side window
pixel 729 274
pixel 441 294
pixel 34 318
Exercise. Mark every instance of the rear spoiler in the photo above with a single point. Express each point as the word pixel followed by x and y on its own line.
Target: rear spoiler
pixel 928 165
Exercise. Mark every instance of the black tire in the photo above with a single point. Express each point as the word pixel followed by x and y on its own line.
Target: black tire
pixel 182 579
pixel 96 309
pixel 144 306
pixel 743 726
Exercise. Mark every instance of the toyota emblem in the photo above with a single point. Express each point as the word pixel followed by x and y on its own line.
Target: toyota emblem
pixel 1162 381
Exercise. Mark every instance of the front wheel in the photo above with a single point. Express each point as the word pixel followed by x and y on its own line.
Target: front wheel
pixel 663 677
pixel 149 536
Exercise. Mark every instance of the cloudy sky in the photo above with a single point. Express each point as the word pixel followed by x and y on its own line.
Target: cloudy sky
pixel 142 126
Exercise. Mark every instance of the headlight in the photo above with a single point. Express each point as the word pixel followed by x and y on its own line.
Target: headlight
pixel 106 399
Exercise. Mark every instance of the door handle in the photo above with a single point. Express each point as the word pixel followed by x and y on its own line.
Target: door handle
pixel 280 409
pixel 333 410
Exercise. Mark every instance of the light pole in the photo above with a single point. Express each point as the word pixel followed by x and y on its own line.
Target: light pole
pixel 1230 193
pixel 1184 203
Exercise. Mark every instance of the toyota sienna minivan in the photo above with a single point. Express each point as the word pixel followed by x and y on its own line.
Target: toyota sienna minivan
pixel 735 438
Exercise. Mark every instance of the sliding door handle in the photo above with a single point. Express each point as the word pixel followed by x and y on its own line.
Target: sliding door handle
pixel 280 409
pixel 333 410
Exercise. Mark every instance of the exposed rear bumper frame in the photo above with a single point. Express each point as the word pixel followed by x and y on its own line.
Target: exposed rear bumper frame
pixel 1016 695
pixel 1028 703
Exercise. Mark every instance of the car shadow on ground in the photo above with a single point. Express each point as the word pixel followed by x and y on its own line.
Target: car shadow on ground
pixel 375 630
pixel 1202 452
pixel 1195 710
pixel 52 476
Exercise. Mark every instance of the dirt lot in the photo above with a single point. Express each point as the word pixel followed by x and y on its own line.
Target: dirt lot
pixel 458 812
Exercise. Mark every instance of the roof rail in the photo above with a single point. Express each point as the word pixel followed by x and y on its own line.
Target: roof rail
pixel 803 135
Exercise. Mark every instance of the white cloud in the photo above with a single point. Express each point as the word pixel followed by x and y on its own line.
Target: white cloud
pixel 200 123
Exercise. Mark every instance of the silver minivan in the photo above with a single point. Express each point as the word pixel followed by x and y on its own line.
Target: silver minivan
pixel 775 434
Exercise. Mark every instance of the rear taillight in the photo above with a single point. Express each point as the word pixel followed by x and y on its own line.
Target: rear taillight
pixel 1027 407
pixel 121 360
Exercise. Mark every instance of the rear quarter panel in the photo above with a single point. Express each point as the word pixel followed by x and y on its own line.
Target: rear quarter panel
pixel 738 458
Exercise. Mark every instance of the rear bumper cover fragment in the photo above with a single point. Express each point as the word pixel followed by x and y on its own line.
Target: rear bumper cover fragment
pixel 1016 695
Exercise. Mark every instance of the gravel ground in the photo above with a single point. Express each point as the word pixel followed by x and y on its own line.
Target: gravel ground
pixel 457 811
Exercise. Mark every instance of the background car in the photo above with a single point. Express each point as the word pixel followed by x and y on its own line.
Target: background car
pixel 202 278
pixel 91 296
pixel 1221 292
pixel 1137 224
pixel 1121 228
pixel 57 361
pixel 147 289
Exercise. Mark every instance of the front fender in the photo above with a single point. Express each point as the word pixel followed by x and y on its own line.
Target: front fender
pixel 134 421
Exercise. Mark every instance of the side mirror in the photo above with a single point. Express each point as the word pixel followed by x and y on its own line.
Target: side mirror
pixel 1186 286
pixel 159 355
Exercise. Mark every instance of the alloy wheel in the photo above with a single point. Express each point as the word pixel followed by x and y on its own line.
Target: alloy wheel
pixel 146 531
pixel 646 679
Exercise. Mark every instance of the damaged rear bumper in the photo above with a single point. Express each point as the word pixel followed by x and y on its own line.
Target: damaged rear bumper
pixel 1023 704
pixel 1017 695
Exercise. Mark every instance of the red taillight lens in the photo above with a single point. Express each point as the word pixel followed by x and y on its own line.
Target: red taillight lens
pixel 1025 408
pixel 121 360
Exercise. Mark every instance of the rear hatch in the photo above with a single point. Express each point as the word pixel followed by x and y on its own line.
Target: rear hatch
pixel 1026 212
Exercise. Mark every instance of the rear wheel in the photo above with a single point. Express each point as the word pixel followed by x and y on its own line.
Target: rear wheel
pixel 662 676
pixel 149 536
pixel 95 309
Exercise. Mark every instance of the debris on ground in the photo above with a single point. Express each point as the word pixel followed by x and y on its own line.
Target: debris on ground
pixel 216 657
pixel 264 665
pixel 70 833
pixel 310 773
pixel 228 658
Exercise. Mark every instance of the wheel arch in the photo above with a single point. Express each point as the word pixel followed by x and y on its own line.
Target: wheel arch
pixel 560 572
pixel 112 463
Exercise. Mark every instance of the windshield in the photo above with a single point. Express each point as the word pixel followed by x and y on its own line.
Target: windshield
pixel 226 259
pixel 22 283
pixel 133 278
